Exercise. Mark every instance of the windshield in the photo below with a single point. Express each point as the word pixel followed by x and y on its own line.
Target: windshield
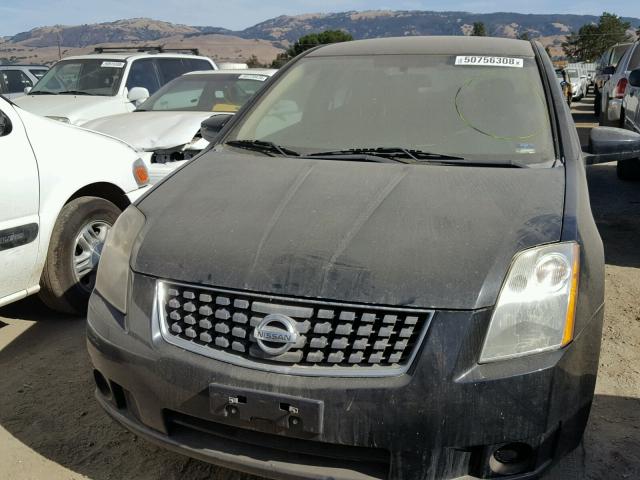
pixel 82 77
pixel 205 93
pixel 421 102
pixel 618 53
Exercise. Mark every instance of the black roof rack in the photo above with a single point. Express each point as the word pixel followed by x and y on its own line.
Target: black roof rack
pixel 146 49
pixel 30 65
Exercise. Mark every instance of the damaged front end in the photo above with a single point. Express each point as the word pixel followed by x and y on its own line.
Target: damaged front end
pixel 164 161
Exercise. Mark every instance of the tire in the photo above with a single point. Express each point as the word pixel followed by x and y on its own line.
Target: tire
pixel 62 287
pixel 629 170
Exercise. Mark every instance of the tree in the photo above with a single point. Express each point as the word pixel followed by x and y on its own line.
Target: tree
pixel 253 62
pixel 280 60
pixel 524 36
pixel 310 41
pixel 479 30
pixel 315 39
pixel 591 41
pixel 585 45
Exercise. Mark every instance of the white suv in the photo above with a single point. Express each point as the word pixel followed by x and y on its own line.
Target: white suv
pixel 107 82
pixel 62 189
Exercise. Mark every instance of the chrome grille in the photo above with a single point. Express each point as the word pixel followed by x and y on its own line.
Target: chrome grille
pixel 334 338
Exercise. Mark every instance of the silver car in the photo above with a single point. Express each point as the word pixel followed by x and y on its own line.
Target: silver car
pixel 630 169
pixel 614 89
pixel 605 67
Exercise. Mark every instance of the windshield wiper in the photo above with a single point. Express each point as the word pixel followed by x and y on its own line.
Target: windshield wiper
pixel 414 156
pixel 396 154
pixel 75 92
pixel 268 148
pixel 42 92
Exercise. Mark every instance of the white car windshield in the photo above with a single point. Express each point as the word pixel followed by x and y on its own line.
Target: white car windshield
pixel 205 93
pixel 430 103
pixel 97 76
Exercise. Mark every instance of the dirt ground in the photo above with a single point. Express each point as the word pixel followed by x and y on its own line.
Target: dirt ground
pixel 51 427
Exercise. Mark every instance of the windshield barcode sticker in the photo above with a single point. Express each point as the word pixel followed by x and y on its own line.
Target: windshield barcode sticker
pixel 478 60
pixel 112 64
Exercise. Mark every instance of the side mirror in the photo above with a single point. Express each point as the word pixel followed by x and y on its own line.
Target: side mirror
pixel 609 70
pixel 27 90
pixel 138 95
pixel 212 126
pixel 5 125
pixel 608 144
pixel 634 78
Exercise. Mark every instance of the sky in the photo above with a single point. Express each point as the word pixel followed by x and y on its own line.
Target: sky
pixel 22 15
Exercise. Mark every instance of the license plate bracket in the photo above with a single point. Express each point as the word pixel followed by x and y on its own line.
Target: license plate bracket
pixel 265 411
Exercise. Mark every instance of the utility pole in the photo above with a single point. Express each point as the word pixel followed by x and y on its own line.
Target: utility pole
pixel 59 52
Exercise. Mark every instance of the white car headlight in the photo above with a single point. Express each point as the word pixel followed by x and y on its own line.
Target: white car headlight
pixel 535 311
pixel 114 271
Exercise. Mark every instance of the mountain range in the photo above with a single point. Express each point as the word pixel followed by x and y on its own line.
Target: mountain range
pixel 267 38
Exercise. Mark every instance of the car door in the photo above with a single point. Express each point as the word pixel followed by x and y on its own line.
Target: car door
pixel 19 222
pixel 143 73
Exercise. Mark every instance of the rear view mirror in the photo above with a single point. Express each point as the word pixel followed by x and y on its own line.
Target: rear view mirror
pixel 610 70
pixel 138 95
pixel 634 78
pixel 608 144
pixel 212 126
pixel 5 125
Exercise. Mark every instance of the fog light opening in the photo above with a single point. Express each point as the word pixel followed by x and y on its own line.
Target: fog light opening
pixel 102 384
pixel 511 459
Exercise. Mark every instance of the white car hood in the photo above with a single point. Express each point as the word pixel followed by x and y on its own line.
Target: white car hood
pixel 77 108
pixel 151 130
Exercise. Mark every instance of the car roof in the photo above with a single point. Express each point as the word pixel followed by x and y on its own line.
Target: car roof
pixel 433 45
pixel 131 55
pixel 244 71
pixel 23 66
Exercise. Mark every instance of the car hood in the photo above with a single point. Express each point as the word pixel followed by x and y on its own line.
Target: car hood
pixel 151 130
pixel 77 108
pixel 386 234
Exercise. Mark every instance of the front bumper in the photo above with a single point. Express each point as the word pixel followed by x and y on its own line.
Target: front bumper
pixel 441 420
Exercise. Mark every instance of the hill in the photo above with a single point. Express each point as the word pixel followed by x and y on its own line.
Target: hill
pixel 387 23
pixel 268 38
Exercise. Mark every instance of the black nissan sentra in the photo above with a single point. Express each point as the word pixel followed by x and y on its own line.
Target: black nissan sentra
pixel 385 266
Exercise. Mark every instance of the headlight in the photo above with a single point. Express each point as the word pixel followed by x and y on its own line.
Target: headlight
pixel 535 311
pixel 113 271
pixel 60 119
pixel 140 172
